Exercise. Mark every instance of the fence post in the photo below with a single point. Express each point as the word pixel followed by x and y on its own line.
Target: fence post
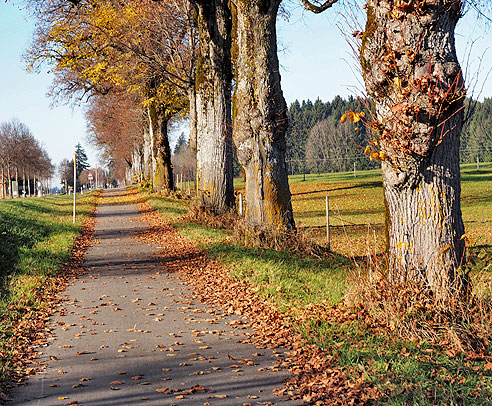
pixel 355 171
pixel 328 223
pixel 478 164
pixel 240 204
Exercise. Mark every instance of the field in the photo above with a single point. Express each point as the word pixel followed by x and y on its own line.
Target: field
pixel 357 208
pixel 405 372
pixel 36 237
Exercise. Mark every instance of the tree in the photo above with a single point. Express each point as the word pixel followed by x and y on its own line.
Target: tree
pixel 415 82
pixel 329 147
pixel 214 180
pixel 106 46
pixel 181 142
pixel 183 162
pixel 82 162
pixel 21 156
pixel 260 114
pixel 65 172
pixel 115 124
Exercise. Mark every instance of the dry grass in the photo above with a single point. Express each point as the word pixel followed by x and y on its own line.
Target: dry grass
pixel 460 323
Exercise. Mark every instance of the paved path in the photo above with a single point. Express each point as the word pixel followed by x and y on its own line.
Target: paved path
pixel 129 333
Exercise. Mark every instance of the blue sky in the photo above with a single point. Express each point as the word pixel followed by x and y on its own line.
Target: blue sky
pixel 316 61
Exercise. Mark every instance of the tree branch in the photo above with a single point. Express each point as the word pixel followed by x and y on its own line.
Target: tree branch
pixel 318 8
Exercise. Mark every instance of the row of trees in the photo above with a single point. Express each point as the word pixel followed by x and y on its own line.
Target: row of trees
pixel 476 138
pixel 23 161
pixel 173 58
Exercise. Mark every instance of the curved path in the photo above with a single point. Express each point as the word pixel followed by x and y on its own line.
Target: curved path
pixel 130 333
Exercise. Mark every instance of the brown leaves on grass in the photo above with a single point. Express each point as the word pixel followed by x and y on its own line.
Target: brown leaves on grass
pixel 317 380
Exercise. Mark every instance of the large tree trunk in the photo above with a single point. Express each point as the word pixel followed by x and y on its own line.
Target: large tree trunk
pixel 214 180
pixel 162 175
pixel 260 114
pixel 414 79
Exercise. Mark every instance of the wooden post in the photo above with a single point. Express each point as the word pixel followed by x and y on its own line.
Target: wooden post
pixel 355 170
pixel 189 188
pixel 328 223
pixel 74 184
pixel 478 164
pixel 240 204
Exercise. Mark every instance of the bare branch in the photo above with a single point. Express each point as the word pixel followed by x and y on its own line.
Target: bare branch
pixel 315 8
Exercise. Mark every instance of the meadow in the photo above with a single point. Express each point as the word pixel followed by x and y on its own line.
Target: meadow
pixel 357 208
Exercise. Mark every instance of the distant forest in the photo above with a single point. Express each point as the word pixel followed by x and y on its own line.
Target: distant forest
pixel 318 142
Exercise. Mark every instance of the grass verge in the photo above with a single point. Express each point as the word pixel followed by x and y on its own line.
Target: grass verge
pixel 37 242
pixel 401 372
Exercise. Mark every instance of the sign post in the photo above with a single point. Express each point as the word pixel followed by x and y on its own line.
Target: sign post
pixel 74 184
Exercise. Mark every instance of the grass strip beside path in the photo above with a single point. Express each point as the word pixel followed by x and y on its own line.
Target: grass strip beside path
pixel 338 352
pixel 39 247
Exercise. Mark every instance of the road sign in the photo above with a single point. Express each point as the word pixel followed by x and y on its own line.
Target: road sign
pixel 89 176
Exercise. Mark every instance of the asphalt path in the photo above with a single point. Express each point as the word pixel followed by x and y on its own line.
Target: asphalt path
pixel 130 333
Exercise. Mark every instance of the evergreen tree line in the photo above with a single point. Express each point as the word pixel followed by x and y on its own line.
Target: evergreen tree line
pixel 476 137
pixel 318 142
pixel 23 161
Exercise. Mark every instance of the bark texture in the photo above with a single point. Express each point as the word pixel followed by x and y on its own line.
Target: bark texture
pixel 214 180
pixel 147 154
pixel 412 74
pixel 162 176
pixel 260 114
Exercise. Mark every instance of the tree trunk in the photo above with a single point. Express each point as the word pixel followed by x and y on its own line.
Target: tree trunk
pixel 414 79
pixel 3 183
pixel 213 107
pixel 23 181
pixel 260 114
pixel 193 123
pixel 17 181
pixel 9 181
pixel 162 175
pixel 147 154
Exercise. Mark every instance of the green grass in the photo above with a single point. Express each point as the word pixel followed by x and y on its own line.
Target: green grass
pixel 407 373
pixel 36 237
pixel 357 208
